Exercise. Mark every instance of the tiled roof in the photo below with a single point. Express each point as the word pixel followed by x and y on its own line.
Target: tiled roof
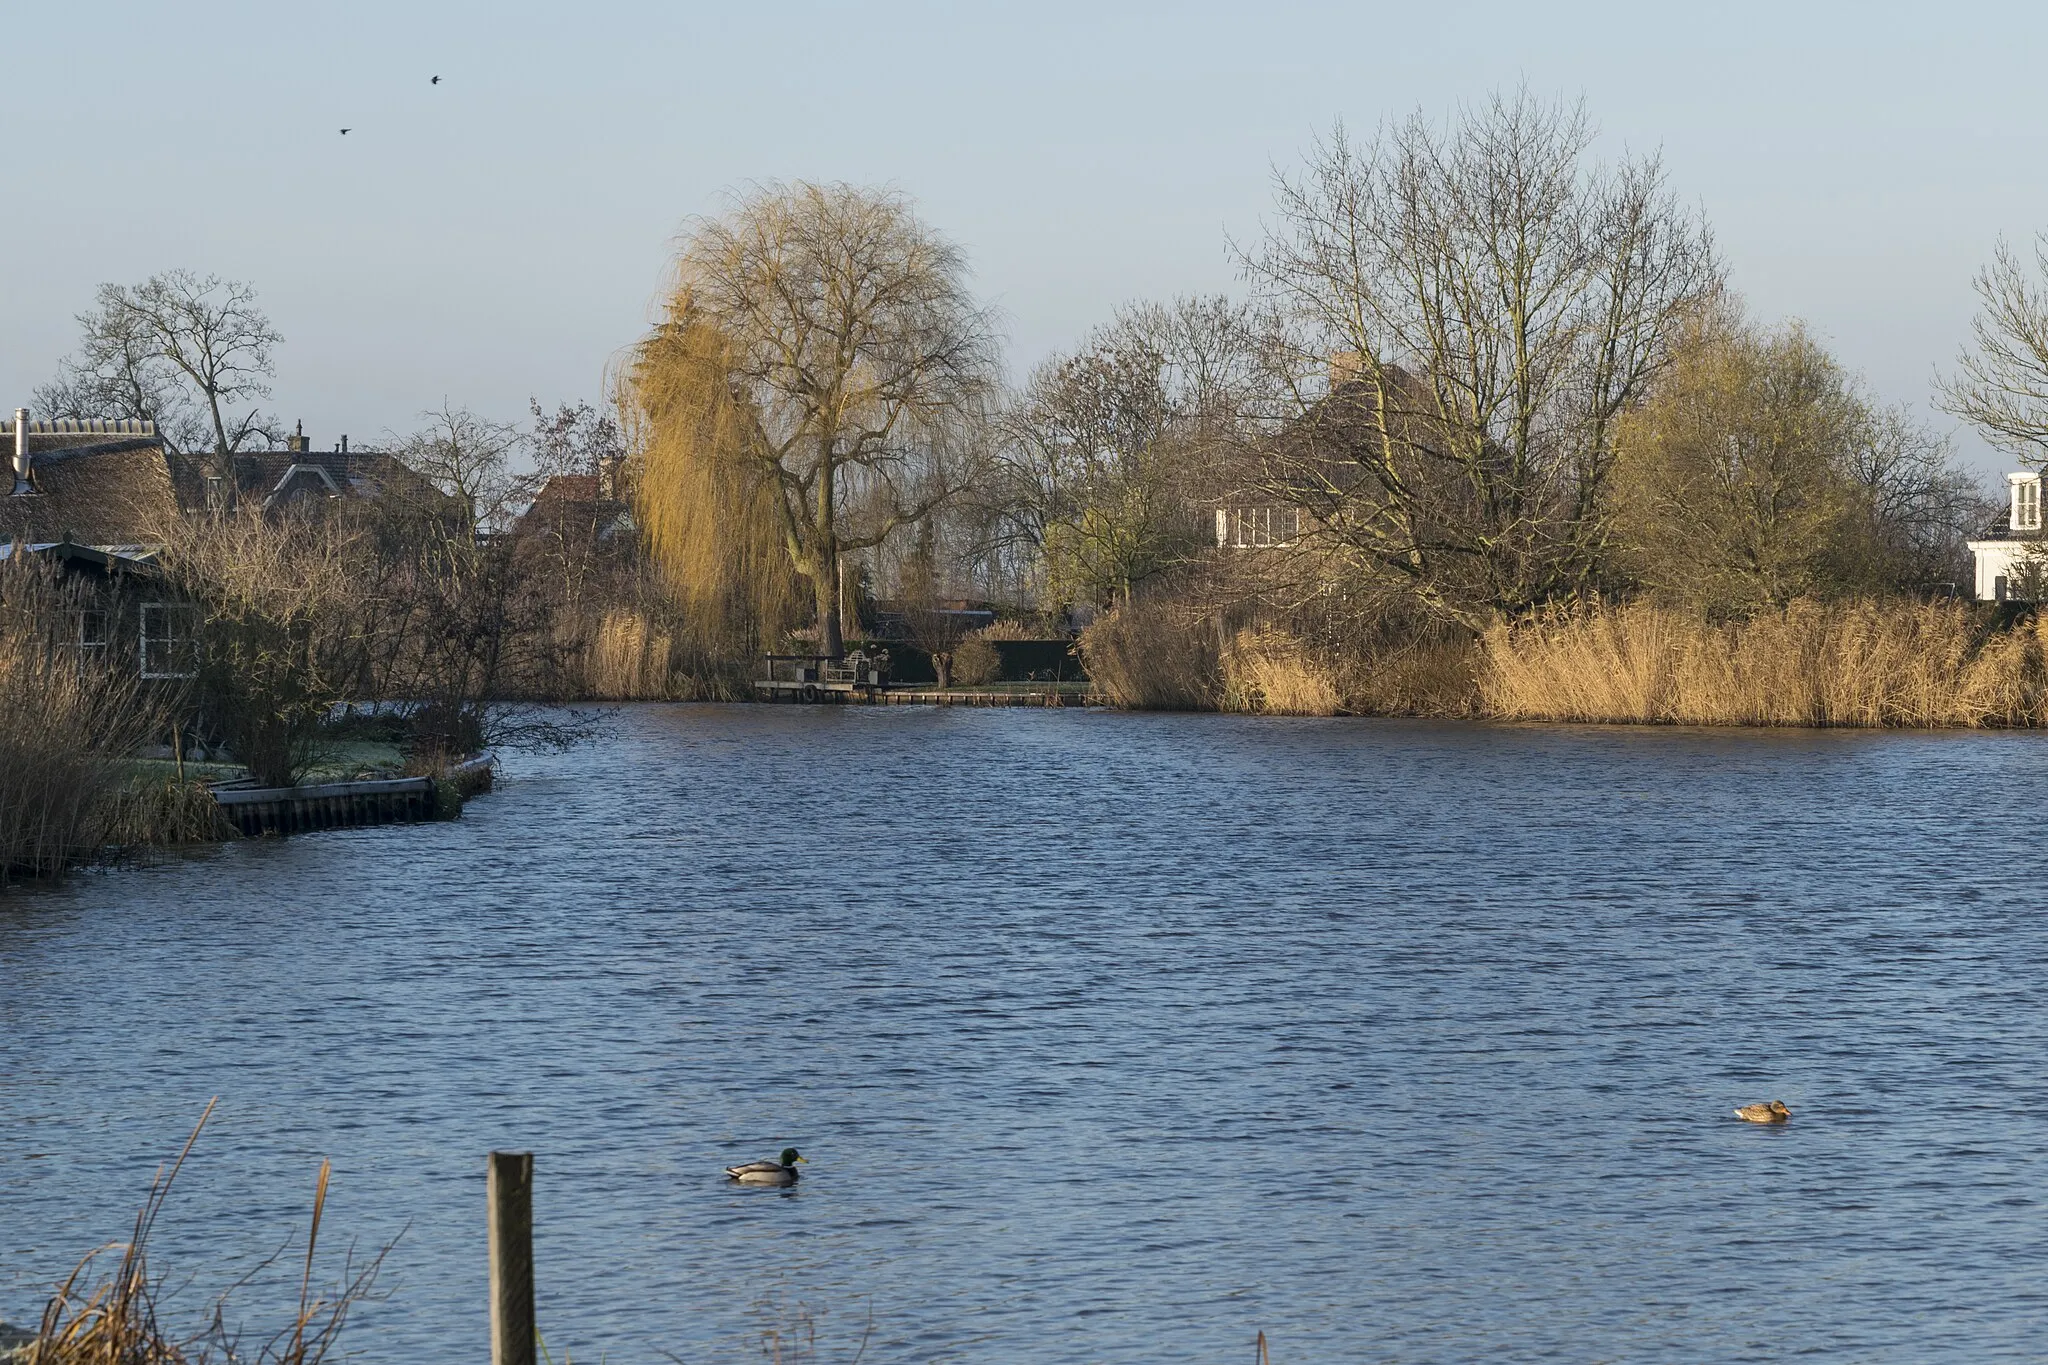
pixel 569 488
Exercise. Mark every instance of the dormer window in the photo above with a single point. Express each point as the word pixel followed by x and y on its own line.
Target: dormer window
pixel 2026 502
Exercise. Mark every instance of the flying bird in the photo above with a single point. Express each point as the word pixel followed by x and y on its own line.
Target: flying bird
pixel 344 132
pixel 435 81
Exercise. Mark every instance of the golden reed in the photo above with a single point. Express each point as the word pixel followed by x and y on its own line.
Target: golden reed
pixel 1892 663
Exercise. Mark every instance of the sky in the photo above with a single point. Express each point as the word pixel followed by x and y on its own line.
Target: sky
pixel 507 233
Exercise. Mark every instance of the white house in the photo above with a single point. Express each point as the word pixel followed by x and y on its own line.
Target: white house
pixel 2012 561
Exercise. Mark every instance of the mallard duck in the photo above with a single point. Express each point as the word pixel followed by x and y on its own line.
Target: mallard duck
pixel 781 1172
pixel 1774 1112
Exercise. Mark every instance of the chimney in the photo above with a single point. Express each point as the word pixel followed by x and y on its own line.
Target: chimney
pixel 21 456
pixel 344 445
pixel 297 442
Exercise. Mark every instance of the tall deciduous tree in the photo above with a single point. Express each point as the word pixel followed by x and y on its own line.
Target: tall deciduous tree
pixel 852 362
pixel 190 352
pixel 1493 301
pixel 1730 491
pixel 118 373
pixel 1758 472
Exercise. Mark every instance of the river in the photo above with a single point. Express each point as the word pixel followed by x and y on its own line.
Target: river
pixel 1109 1037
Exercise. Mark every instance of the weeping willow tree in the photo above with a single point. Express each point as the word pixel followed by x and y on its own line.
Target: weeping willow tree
pixel 707 516
pixel 816 386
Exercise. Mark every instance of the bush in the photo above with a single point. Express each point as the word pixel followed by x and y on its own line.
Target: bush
pixel 1437 678
pixel 976 662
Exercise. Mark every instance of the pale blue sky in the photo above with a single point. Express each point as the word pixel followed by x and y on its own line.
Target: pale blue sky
pixel 505 233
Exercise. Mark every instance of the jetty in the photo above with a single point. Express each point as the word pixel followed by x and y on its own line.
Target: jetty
pixel 862 679
pixel 347 805
pixel 1048 694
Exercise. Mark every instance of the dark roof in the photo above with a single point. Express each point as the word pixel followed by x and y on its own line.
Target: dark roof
pixel 280 476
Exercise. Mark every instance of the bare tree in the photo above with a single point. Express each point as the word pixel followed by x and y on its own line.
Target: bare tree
pixel 206 330
pixel 574 439
pixel 854 360
pixel 467 457
pixel 1467 312
pixel 284 628
pixel 119 373
pixel 1103 454
pixel 1922 506
pixel 2001 384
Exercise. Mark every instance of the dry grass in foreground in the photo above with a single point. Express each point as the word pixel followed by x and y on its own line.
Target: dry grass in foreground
pixel 115 1321
pixel 1908 664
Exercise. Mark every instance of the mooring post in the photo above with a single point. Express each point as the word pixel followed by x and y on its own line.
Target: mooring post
pixel 510 1190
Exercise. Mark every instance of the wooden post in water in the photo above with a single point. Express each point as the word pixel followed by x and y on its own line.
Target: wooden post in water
pixel 510 1189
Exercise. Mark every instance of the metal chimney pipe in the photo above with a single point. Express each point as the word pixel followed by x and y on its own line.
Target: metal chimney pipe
pixel 21 464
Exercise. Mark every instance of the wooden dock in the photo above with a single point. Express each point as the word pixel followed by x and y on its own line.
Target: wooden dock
pixel 961 696
pixel 327 805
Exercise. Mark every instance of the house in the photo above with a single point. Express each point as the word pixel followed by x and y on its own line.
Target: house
pixel 118 608
pixel 2012 559
pixel 105 483
pixel 116 483
pixel 579 508
pixel 1257 526
pixel 1308 471
pixel 97 500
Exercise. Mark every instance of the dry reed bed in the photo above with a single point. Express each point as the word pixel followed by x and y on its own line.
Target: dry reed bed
pixel 1908 664
pixel 64 788
pixel 1271 672
pixel 629 659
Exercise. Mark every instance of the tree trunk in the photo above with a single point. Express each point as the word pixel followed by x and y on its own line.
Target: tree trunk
pixel 826 586
pixel 223 455
pixel 942 664
pixel 826 583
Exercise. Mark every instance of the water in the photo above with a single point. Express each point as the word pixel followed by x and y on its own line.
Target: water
pixel 1110 1038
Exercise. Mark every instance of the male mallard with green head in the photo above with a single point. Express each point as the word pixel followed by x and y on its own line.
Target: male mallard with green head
pixel 1774 1112
pixel 781 1172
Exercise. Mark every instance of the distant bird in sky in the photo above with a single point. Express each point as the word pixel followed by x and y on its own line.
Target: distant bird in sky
pixel 435 81
pixel 344 132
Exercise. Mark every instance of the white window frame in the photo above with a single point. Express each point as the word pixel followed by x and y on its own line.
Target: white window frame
pixel 169 639
pixel 2026 504
pixel 89 635
pixel 1258 528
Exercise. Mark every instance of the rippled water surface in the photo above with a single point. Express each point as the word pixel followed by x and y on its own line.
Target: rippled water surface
pixel 1110 1037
